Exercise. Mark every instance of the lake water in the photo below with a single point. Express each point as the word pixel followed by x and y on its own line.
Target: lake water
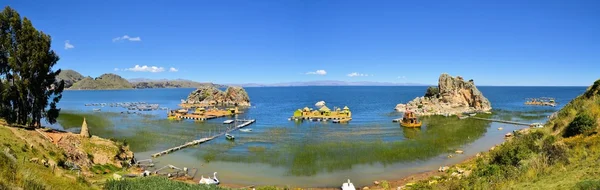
pixel 310 154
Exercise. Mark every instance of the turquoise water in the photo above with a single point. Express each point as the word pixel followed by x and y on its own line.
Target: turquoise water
pixel 283 152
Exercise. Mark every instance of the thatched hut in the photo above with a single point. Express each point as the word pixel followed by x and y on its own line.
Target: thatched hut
pixel 325 110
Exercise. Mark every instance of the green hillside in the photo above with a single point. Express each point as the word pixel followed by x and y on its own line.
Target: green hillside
pixel 562 155
pixel 70 77
pixel 105 81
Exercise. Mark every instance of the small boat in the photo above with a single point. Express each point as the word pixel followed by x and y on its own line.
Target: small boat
pixel 97 109
pixel 348 186
pixel 537 125
pixel 229 136
pixel 246 130
pixel 472 114
pixel 463 117
pixel 209 180
pixel 229 121
pixel 410 120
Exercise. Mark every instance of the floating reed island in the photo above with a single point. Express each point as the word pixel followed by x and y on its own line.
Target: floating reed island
pixel 323 113
pixel 543 101
pixel 201 114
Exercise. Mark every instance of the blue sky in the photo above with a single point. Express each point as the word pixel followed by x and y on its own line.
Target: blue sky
pixel 508 42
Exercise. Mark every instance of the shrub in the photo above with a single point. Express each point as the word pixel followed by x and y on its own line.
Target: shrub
pixel 556 152
pixel 582 124
pixel 512 152
pixel 588 185
pixel 593 90
pixel 432 91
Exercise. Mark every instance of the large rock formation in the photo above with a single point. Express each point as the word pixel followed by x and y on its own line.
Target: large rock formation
pixel 452 96
pixel 209 95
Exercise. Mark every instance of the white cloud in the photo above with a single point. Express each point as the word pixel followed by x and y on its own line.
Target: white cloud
pixel 116 69
pixel 172 69
pixel 68 45
pixel 318 72
pixel 402 77
pixel 126 37
pixel 355 74
pixel 145 68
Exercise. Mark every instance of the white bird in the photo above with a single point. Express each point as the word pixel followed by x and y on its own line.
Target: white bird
pixel 210 181
pixel 348 186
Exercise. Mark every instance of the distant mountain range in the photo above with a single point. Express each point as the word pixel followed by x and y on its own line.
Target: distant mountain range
pixel 328 83
pixel 75 81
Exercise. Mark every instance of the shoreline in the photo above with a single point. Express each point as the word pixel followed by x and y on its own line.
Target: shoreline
pixel 393 183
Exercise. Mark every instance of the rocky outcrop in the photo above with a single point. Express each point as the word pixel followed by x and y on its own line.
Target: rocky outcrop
pixel 209 95
pixel 452 96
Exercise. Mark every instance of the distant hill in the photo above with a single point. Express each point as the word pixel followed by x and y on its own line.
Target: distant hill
pixel 105 81
pixel 329 83
pixel 178 83
pixel 70 77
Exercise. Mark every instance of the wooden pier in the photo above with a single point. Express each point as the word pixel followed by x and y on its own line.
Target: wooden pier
pixel 503 121
pixel 203 140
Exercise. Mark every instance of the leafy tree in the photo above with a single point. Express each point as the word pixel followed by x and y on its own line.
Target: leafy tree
pixel 29 90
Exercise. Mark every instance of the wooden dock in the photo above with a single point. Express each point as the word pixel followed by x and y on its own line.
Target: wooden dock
pixel 203 140
pixel 503 121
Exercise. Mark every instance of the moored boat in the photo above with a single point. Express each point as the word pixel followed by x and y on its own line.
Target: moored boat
pixel 229 136
pixel 410 120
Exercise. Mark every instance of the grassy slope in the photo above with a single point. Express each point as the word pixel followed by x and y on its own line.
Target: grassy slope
pixel 542 159
pixel 24 145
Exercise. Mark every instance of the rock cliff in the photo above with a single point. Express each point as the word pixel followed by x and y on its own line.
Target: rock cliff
pixel 452 96
pixel 209 95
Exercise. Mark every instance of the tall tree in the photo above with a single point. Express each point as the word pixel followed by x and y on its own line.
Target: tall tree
pixel 29 90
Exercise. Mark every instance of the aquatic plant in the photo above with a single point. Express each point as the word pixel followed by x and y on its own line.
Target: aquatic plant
pixel 158 183
pixel 311 154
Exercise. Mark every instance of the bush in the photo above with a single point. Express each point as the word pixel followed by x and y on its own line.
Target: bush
pixel 588 185
pixel 556 152
pixel 432 91
pixel 582 124
pixel 593 90
pixel 512 152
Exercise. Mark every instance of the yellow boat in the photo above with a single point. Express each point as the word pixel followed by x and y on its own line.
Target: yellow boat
pixel 410 120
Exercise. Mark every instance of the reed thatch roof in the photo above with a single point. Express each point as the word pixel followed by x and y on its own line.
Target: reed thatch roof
pixel 324 109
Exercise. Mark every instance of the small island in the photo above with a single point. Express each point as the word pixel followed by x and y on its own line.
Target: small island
pixel 452 96
pixel 338 115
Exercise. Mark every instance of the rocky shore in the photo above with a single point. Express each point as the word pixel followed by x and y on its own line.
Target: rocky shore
pixel 452 96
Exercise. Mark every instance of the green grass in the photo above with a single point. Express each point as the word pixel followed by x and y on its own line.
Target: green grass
pixel 20 173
